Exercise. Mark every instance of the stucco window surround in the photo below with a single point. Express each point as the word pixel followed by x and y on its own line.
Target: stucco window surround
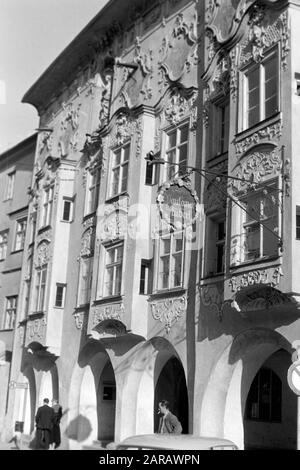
pixel 119 170
pixel 20 233
pixel 175 149
pixel 10 313
pixel 113 270
pixel 219 131
pixel 92 191
pixel 215 245
pixel 256 230
pixel 260 90
pixel 47 208
pixel 170 261
pixel 85 280
pixel 3 244
pixel 40 282
pixel 9 185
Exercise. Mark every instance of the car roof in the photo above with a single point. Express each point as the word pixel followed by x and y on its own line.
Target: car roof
pixel 173 441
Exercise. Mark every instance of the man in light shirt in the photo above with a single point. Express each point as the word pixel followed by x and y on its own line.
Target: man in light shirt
pixel 168 423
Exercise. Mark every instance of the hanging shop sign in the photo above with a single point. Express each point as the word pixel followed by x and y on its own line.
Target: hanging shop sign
pixel 178 203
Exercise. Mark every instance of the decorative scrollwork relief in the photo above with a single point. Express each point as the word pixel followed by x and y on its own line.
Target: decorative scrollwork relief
pixel 212 296
pixel 268 133
pixel 215 195
pixel 257 167
pixel 178 107
pixel 107 312
pixel 36 328
pixel 43 254
pixel 88 242
pixel 263 33
pixel 169 311
pixel 269 276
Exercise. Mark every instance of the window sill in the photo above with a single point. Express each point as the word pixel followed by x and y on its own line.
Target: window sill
pixel 213 275
pixel 36 314
pixel 116 197
pixel 108 299
pixel 82 307
pixel 258 126
pixel 244 264
pixel 16 251
pixel 174 292
pixel 7 329
pixel 88 216
pixel 44 228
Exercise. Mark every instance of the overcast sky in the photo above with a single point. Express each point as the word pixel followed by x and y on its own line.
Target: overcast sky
pixel 32 34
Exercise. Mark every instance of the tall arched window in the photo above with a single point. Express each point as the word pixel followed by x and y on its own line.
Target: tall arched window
pixel 265 397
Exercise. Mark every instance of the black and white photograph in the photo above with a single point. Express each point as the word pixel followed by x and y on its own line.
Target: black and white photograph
pixel 149 228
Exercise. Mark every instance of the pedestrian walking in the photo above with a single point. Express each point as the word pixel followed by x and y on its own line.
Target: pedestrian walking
pixel 55 434
pixel 168 423
pixel 44 423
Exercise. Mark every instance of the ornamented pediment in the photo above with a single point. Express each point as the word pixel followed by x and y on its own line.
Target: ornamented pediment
pixel 265 29
pixel 114 220
pixel 169 311
pixel 178 52
pixel 257 167
pixel 180 104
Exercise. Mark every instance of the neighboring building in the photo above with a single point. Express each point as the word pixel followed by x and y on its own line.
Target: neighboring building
pixel 16 167
pixel 118 311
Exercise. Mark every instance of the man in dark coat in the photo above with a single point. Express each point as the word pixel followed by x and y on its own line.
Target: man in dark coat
pixel 55 434
pixel 168 423
pixel 44 423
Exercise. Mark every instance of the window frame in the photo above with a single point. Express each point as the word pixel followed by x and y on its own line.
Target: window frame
pixel 219 139
pixel 244 123
pixel 114 266
pixel 85 299
pixel 165 150
pixel 170 234
pixel 121 165
pixel 252 223
pixel 297 222
pixel 10 185
pixel 13 309
pixel 48 203
pixel 3 244
pixel 92 188
pixel 39 287
pixel 63 297
pixel 19 222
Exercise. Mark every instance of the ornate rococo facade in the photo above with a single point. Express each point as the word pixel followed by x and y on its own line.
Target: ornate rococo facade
pixel 117 315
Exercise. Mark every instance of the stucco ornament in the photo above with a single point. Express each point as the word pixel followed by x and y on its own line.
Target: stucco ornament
pixel 178 52
pixel 105 100
pixel 212 296
pixel 69 126
pixel 79 318
pixel 268 133
pixel 270 276
pixel 88 242
pixel 46 142
pixel 36 328
pixel 178 106
pixel 43 254
pixel 169 311
pixel 107 312
pixel 257 167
